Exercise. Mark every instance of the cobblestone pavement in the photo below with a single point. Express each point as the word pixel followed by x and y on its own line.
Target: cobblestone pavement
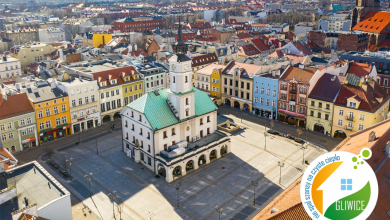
pixel 226 182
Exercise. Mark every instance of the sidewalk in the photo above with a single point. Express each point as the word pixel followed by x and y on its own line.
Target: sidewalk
pixel 32 153
pixel 248 119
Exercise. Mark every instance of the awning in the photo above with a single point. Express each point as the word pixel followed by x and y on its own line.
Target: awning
pixel 292 113
pixel 241 100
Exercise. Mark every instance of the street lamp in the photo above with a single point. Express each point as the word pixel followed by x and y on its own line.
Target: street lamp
pixel 112 197
pixel 69 162
pixel 280 165
pixel 220 211
pixel 97 149
pixel 265 140
pixel 254 191
pixel 303 148
pixel 89 178
pixel 177 187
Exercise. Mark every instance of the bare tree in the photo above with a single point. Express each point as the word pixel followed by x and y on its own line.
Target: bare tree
pixel 325 4
pixel 299 132
pixel 50 154
pixel 72 30
pixel 272 124
pixel 65 165
pixel 22 7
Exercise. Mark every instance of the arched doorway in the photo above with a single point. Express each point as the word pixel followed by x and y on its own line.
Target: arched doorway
pixel 227 102
pixel 246 107
pixel 319 128
pixel 202 160
pixel 213 155
pixel 177 171
pixel 106 119
pixel 223 149
pixel 117 115
pixel 161 170
pixel 190 165
pixel 236 104
pixel 340 134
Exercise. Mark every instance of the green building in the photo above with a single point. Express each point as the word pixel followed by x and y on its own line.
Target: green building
pixel 17 123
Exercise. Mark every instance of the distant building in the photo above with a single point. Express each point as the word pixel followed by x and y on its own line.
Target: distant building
pixel 303 28
pixel 31 53
pixel 19 37
pixel 51 35
pixel 139 24
pixel 334 25
pixel 340 40
pixel 9 68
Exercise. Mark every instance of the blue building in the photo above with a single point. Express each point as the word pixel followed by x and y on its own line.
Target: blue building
pixel 265 94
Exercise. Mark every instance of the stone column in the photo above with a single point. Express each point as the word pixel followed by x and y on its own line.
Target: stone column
pixel 228 148
pixel 218 149
pixel 183 169
pixel 207 155
pixel 169 174
pixel 196 166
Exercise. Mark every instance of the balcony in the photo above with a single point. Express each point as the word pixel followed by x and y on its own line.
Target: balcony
pixel 348 128
pixel 349 118
pixel 293 91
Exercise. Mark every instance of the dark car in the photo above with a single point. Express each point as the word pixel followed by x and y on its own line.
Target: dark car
pixel 63 172
pixel 54 165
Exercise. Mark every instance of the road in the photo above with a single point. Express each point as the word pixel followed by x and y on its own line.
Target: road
pixel 247 119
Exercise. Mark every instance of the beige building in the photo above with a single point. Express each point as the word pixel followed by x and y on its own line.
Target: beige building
pixel 30 53
pixel 9 68
pixel 19 37
pixel 202 77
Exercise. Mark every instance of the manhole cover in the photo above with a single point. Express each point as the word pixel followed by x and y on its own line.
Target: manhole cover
pixel 223 168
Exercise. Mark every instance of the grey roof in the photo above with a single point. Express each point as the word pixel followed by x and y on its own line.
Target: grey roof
pixel 45 92
pixel 32 184
pixel 259 60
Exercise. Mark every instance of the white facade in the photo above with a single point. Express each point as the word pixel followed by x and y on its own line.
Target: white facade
pixel 111 100
pixel 334 25
pixel 51 35
pixel 9 67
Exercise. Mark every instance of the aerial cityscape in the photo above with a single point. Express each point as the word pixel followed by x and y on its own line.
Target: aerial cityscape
pixel 212 109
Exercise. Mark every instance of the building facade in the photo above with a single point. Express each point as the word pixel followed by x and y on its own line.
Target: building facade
pixel 265 95
pixel 20 37
pixel 51 35
pixel 17 123
pixel 31 53
pixel 139 24
pixel 154 77
pixel 9 68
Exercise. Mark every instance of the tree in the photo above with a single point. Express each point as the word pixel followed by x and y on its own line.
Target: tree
pixel 299 132
pixel 71 30
pixel 325 4
pixel 65 165
pixel 50 154
pixel 272 124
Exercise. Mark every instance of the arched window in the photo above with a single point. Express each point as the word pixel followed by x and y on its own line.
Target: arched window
pixel 186 101
pixel 173 79
pixel 186 79
pixel 187 112
pixel 13 148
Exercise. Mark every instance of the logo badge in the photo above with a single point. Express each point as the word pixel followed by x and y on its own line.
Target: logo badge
pixel 340 185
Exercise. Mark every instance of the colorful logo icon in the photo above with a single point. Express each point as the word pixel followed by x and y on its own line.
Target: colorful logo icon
pixel 340 185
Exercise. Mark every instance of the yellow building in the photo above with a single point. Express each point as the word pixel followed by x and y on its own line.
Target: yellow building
pixel 320 104
pixel 132 86
pixel 32 53
pixel 215 85
pixel 51 108
pixel 99 39
pixel 360 103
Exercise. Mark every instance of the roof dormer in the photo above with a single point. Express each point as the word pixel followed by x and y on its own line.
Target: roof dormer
pixel 354 101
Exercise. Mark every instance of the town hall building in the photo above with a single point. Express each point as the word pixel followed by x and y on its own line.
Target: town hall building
pixel 173 131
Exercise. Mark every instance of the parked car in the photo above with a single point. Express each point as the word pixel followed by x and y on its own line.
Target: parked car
pixel 54 165
pixel 63 172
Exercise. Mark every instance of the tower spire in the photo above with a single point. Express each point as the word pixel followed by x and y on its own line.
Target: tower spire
pixel 180 34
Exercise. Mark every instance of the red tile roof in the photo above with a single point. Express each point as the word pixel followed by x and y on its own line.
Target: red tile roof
pixel 360 69
pixel 14 105
pixel 368 101
pixel 302 48
pixel 244 36
pixel 375 21
pixel 117 74
pixel 259 44
pixel 289 35
pixel 386 43
pixel 208 39
pixel 247 70
pixel 200 25
pixel 248 50
pixel 302 76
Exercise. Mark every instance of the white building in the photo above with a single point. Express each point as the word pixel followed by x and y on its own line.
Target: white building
pixel 33 191
pixel 9 67
pixel 51 35
pixel 303 28
pixel 83 100
pixel 334 25
pixel 173 131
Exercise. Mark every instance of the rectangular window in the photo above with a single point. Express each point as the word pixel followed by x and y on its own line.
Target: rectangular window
pixel 117 92
pixel 64 120
pixel 48 124
pixel 165 134
pixel 268 91
pixel 113 104
pixel 11 135
pixel 30 130
pixel 118 103
pixel 102 107
pixel 326 117
pixel 341 112
pixel 80 101
pixel 41 126
pixel 47 112
pixel 273 104
pixel 24 132
pixel 319 115
pixel 267 102
pixel 58 121
pixel 112 93
pixel 142 156
pixel 108 106
pixel 274 93
pixel 340 122
pixel 320 104
pixel 86 100
pixel 327 106
pixel 312 103
pixel 261 101
pixel 102 95
pixel 256 89
pixel 361 127
pixel 362 117
pixel 22 122
pixel 248 86
pixel 262 90
pixel 3 137
pixel 63 108
pixel 255 99
pixel 149 161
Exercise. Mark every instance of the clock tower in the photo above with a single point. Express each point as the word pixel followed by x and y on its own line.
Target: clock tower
pixel 181 94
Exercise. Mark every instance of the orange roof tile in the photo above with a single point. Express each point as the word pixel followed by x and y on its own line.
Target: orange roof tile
pixel 375 21
pixel 302 76
pixel 247 50
pixel 246 68
pixel 360 69
pixel 14 105
pixel 207 70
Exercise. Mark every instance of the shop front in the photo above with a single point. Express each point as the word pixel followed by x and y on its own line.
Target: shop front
pixel 292 118
pixel 28 143
pixel 262 112
pixel 54 133
pixel 85 123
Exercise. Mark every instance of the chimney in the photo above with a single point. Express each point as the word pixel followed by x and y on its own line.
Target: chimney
pixel 333 78
pixel 372 137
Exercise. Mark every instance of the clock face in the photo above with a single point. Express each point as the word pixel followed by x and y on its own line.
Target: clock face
pixel 173 66
pixel 186 67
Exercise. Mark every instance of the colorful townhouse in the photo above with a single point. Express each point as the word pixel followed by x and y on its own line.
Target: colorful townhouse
pixel 17 123
pixel 361 103
pixel 203 77
pixel 51 106
pixel 294 85
pixel 320 104
pixel 215 84
pixel 265 94
pixel 237 85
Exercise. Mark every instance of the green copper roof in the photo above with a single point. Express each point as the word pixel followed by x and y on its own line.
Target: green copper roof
pixel 159 115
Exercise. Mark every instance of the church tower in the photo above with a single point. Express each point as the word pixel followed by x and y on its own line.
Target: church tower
pixel 363 7
pixel 181 94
